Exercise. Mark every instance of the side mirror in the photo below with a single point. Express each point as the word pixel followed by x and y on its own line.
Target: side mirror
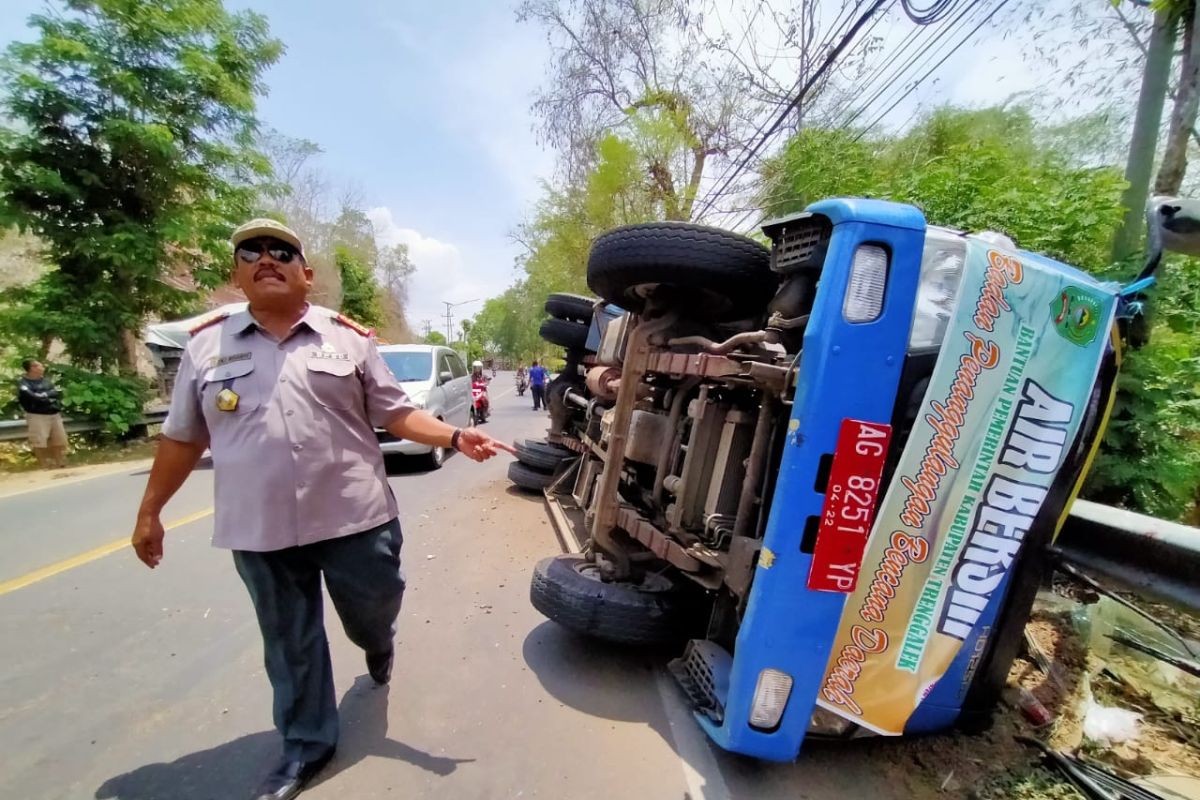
pixel 1172 225
pixel 445 376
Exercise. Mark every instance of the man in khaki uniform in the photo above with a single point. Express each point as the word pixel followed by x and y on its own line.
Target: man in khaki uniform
pixel 287 396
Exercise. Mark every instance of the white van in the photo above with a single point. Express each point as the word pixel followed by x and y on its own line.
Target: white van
pixel 437 380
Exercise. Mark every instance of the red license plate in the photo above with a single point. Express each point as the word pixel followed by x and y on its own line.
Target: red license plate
pixel 849 505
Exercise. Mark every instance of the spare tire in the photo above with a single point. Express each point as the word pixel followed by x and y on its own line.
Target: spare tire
pixel 526 477
pixel 564 333
pixel 569 591
pixel 549 448
pixel 570 306
pixel 539 459
pixel 717 275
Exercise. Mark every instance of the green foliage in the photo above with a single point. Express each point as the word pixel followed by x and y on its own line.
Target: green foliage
pixel 360 292
pixel 973 170
pixel 996 169
pixel 130 151
pixel 433 337
pixel 115 401
pixel 511 321
pixel 1156 420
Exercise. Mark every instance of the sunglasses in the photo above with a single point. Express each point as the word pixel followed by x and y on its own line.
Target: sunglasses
pixel 279 251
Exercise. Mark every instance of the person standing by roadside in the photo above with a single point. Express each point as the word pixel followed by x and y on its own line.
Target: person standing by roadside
pixel 537 385
pixel 42 405
pixel 286 395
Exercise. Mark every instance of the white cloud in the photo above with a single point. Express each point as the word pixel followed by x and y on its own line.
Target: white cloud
pixel 444 273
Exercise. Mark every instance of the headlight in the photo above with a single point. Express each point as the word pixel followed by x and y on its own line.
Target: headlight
pixel 937 290
pixel 770 699
pixel 868 280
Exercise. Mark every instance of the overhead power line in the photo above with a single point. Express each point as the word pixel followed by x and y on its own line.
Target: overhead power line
pixel 750 212
pixel 710 198
pixel 929 14
pixel 922 56
pixel 932 69
pixel 816 76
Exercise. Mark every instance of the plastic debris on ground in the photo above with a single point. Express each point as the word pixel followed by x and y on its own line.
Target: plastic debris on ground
pixel 1114 711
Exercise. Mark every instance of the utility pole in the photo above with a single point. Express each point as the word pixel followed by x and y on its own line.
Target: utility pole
pixel 1144 142
pixel 428 326
pixel 450 319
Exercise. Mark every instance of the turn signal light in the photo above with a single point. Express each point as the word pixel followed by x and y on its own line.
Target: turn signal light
pixel 868 279
pixel 770 698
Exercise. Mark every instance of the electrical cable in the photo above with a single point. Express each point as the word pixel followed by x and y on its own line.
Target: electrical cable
pixel 838 26
pixel 710 198
pixel 808 84
pixel 888 82
pixel 934 12
pixel 931 70
pixel 921 57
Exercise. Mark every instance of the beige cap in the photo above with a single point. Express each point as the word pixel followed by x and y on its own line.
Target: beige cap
pixel 266 227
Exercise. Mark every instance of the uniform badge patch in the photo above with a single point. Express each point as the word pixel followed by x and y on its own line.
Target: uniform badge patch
pixel 227 400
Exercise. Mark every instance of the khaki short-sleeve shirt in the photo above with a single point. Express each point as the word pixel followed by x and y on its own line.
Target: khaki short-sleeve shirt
pixel 291 428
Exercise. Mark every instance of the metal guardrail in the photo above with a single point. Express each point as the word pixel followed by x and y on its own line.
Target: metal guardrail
pixel 12 430
pixel 1155 558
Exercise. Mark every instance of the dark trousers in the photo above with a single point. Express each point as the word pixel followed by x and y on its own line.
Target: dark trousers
pixel 539 396
pixel 364 579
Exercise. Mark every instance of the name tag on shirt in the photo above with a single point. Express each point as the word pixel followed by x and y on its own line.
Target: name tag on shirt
pixel 217 361
pixel 328 352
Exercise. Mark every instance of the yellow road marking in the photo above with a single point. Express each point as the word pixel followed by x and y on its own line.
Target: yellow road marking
pixel 84 558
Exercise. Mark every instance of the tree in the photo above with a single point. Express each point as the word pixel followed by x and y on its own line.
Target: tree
pixel 301 196
pixel 636 68
pixel 360 293
pixel 433 337
pixel 395 270
pixel 1182 124
pixel 131 150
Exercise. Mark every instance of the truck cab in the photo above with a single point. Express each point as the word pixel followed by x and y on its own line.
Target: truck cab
pixel 827 468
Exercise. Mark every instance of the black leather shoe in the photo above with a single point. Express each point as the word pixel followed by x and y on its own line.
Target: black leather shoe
pixel 379 665
pixel 289 778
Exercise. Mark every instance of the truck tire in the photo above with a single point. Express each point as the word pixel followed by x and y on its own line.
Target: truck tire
pixel 568 590
pixel 723 276
pixel 570 306
pixel 564 333
pixel 545 447
pixel 540 460
pixel 528 478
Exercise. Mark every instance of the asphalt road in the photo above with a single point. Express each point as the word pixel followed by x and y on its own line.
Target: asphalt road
pixel 119 682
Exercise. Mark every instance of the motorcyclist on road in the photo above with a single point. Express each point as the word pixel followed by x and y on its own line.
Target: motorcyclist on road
pixel 522 380
pixel 480 381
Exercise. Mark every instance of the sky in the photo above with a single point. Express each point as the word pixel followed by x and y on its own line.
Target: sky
pixel 423 108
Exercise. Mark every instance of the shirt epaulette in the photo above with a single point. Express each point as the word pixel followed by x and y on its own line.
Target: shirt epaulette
pixel 354 326
pixel 208 323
